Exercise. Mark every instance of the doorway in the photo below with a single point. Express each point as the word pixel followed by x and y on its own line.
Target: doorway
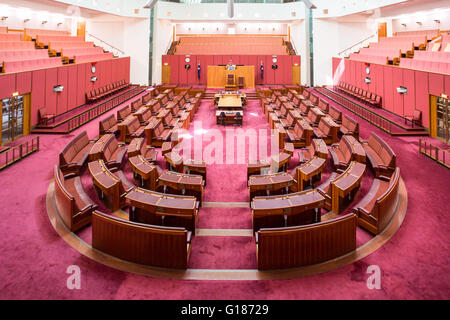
pixel 14 119
pixel 443 119
pixel 382 30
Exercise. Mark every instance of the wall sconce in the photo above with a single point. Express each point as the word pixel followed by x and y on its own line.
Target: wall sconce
pixel 4 18
pixel 437 21
pixel 59 24
pixel 404 25
pixel 419 23
pixel 26 20
pixel 58 88
pixel 94 79
pixel 44 22
pixel 367 80
pixel 402 90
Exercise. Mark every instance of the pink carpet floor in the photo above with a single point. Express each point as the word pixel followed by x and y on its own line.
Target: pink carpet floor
pixel 415 263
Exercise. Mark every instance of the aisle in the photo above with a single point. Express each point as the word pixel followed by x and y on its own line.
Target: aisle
pixel 227 194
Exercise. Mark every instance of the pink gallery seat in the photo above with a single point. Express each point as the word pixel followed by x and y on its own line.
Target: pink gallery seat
pixel 430 66
pixel 34 32
pixel 384 52
pixel 61 45
pixel 93 57
pixel 29 65
pixel 77 52
pixel 7 56
pixel 438 56
pixel 45 40
pixel 430 34
pixel 16 45
pixel 10 37
pixel 369 58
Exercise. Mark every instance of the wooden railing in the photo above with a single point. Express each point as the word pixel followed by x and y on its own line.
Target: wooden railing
pixel 83 118
pixel 357 44
pixel 17 153
pixel 364 113
pixel 439 155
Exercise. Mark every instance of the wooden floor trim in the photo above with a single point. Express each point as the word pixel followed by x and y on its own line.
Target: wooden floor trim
pixel 231 275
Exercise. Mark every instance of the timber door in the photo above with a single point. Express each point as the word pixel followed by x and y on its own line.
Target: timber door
pixel 12 115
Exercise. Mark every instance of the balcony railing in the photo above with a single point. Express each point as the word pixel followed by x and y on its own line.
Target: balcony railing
pixel 17 153
pixel 439 155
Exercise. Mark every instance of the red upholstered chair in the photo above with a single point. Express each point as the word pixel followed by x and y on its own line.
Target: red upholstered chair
pixel 415 118
pixel 44 117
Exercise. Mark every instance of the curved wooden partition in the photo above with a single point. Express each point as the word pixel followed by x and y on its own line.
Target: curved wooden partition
pixel 294 247
pixel 143 244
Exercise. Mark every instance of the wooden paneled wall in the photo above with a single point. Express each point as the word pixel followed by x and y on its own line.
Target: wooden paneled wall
pixel 76 80
pixel 385 81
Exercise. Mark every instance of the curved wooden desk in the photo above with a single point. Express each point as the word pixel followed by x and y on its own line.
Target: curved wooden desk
pixel 156 208
pixel 266 185
pixel 346 186
pixel 105 183
pixel 184 184
pixel 309 173
pixel 290 210
pixel 146 172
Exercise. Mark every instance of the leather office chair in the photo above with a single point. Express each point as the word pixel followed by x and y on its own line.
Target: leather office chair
pixel 222 118
pixel 238 119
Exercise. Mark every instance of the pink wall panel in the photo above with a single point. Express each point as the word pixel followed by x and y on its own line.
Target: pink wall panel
pixel 127 69
pixel 397 81
pixel 88 74
pixel 209 61
pixel 174 74
pixel 352 68
pixel 388 98
pixel 269 76
pixel 409 99
pixel 243 60
pixel 7 85
pixel 436 82
pixel 253 61
pixel 218 60
pixel 81 84
pixel 37 94
pixel 192 72
pixel 377 74
pixel 61 97
pixel 447 85
pixel 72 87
pixel 359 75
pixel 108 66
pixel 51 79
pixel 183 76
pixel 236 59
pixel 422 96
pixel 23 82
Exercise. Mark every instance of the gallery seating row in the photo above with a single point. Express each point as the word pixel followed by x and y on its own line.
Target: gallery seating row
pixel 141 243
pixel 94 57
pixel 5 37
pixel 73 204
pixel 75 154
pixel 426 65
pixel 43 41
pixel 13 55
pixel 72 53
pixel 57 47
pixel 360 94
pixel 430 34
pixel 16 45
pixel 437 56
pixel 33 33
pixel 378 59
pixel 29 65
pixel 105 91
